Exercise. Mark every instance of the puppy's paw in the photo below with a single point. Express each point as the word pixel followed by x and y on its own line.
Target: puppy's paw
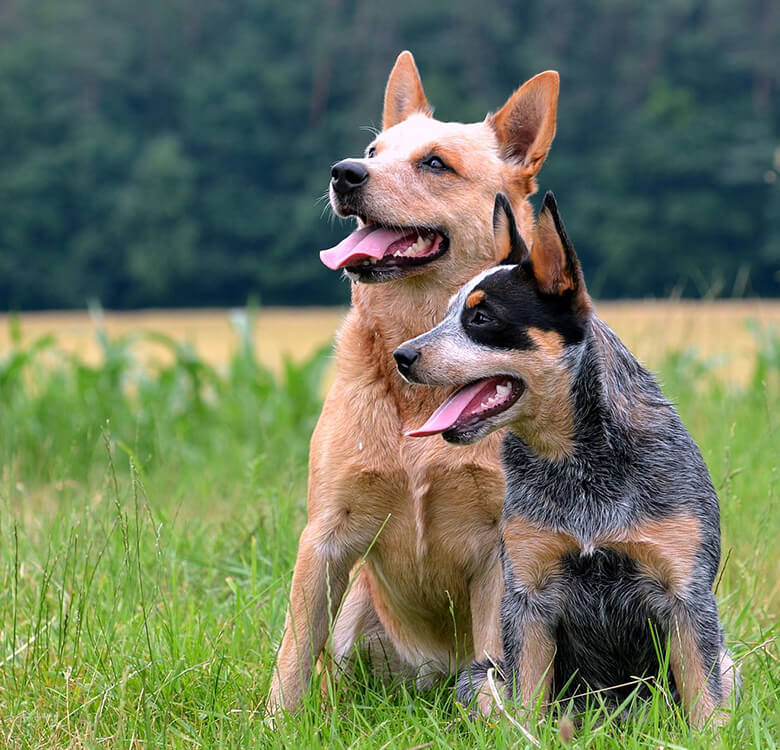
pixel 474 688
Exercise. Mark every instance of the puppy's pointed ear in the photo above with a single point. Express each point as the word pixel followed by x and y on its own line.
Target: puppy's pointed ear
pixel 404 92
pixel 525 125
pixel 510 248
pixel 556 267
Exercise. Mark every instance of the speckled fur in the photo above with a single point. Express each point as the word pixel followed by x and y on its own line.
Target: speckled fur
pixel 602 543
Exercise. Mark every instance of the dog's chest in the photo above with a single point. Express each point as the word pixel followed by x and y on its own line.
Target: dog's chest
pixel 439 507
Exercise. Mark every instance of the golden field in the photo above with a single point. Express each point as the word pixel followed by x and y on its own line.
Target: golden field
pixel 650 328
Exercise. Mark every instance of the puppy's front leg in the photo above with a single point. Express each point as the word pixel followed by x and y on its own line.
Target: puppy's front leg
pixel 529 645
pixel 318 586
pixel 695 654
pixel 532 604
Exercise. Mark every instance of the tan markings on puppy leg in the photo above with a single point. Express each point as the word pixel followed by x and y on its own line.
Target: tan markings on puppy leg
pixel 666 549
pixel 475 298
pixel 535 556
pixel 690 674
pixel 535 553
pixel 536 663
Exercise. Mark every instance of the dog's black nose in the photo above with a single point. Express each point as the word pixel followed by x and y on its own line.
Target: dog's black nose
pixel 405 357
pixel 347 175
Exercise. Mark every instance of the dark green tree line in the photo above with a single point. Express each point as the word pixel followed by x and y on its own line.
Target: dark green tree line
pixel 174 153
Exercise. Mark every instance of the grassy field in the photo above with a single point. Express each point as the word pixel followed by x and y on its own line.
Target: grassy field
pixel 152 488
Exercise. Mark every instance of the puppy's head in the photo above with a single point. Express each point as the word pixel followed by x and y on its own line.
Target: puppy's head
pixel 424 190
pixel 508 339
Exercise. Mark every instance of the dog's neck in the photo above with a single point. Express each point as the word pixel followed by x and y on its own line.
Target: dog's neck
pixel 613 400
pixel 382 317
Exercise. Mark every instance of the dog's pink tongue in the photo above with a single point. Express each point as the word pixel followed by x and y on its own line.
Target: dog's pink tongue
pixel 447 414
pixel 370 242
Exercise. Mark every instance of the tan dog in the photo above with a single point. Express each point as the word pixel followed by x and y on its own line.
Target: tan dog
pixel 423 515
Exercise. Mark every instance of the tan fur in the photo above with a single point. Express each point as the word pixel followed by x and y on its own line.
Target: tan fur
pixel 665 548
pixel 535 556
pixel 535 553
pixel 502 237
pixel 526 123
pixel 549 341
pixel 536 663
pixel 404 92
pixel 475 298
pixel 544 414
pixel 428 512
pixel 551 269
pixel 548 259
pixel 690 675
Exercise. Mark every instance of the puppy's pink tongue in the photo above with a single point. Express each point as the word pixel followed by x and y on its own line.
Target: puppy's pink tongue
pixel 370 242
pixel 447 414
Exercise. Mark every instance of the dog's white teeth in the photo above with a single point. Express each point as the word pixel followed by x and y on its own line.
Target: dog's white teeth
pixel 374 261
pixel 503 391
pixel 420 247
pixel 366 263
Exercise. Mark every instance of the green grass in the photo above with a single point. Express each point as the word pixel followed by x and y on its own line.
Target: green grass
pixel 148 527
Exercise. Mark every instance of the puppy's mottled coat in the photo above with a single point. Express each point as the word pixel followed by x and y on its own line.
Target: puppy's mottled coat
pixel 610 525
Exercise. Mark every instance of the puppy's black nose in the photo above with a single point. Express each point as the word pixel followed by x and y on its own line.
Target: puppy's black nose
pixel 347 175
pixel 405 357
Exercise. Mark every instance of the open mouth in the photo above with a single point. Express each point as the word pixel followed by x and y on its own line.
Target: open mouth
pixel 377 253
pixel 468 407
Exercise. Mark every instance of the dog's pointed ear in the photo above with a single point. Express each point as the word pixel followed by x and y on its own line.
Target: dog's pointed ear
pixel 556 267
pixel 404 92
pixel 525 125
pixel 510 248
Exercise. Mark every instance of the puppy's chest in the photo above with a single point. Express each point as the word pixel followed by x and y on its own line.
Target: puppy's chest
pixel 589 515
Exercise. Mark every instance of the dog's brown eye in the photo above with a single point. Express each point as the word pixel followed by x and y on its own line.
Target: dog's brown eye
pixel 481 318
pixel 434 163
pixel 371 153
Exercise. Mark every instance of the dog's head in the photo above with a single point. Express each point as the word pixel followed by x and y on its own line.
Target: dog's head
pixel 509 340
pixel 424 190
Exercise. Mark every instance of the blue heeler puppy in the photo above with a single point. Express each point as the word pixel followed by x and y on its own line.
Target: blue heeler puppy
pixel 610 529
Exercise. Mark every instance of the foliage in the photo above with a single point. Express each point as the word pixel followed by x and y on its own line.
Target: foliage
pixel 148 526
pixel 173 153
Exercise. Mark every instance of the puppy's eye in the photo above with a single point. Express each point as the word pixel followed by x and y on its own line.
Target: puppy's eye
pixel 481 318
pixel 435 163
pixel 371 153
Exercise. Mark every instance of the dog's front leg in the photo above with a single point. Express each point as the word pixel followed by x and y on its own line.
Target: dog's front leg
pixel 486 592
pixel 532 605
pixel 318 586
pixel 695 654
pixel 529 621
